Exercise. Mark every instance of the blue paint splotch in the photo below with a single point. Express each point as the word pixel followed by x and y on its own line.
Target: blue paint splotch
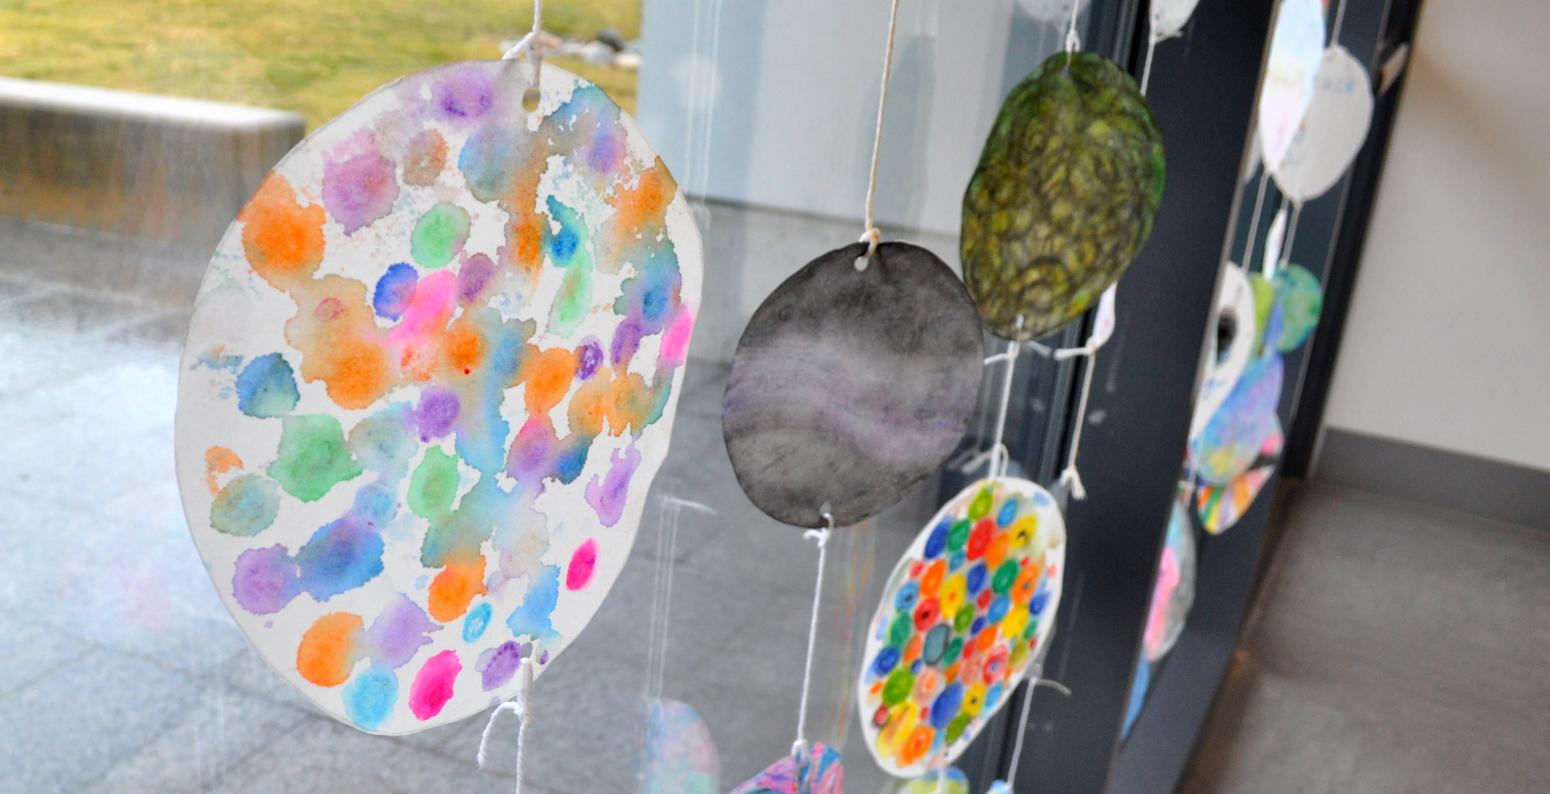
pixel 266 387
pixel 394 290
pixel 532 618
pixel 370 697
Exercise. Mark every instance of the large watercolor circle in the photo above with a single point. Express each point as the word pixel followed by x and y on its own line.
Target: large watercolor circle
pixel 430 376
pixel 849 387
pixel 967 610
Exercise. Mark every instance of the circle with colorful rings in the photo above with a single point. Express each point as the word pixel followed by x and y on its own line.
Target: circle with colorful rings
pixel 967 610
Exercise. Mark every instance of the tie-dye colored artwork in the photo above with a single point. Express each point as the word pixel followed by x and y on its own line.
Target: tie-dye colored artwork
pixel 1174 591
pixel 849 387
pixel 1229 350
pixel 1234 436
pixel 932 783
pixel 1296 50
pixel 1299 301
pixel 816 771
pixel 680 753
pixel 430 375
pixel 1220 506
pixel 1233 451
pixel 1332 132
pixel 969 607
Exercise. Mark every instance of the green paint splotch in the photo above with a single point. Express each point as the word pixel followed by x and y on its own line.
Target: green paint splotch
pixel 433 486
pixel 313 457
pixel 246 506
pixel 570 248
pixel 439 235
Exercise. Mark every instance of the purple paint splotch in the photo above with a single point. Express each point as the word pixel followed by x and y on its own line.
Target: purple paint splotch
pixel 607 496
pixel 398 632
pixel 436 413
pixel 497 665
pixel 266 580
pixel 359 185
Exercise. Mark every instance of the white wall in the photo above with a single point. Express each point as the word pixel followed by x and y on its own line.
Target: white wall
pixel 1448 341
pixel 777 99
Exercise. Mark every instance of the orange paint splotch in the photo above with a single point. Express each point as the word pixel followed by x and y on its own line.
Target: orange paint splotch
pixel 329 648
pixel 645 202
pixel 547 375
pixel 453 589
pixel 462 348
pixel 588 410
pixel 219 460
pixel 283 240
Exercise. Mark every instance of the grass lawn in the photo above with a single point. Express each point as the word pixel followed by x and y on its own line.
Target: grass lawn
pixel 311 56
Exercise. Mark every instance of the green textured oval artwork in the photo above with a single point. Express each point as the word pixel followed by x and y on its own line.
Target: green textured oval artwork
pixel 1064 195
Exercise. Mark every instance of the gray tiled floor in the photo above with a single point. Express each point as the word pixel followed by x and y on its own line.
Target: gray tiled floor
pixel 123 671
pixel 1397 648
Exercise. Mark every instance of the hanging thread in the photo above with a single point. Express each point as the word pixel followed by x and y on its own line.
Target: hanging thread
pixel 872 236
pixel 1334 32
pixel 1291 234
pixel 821 536
pixel 1035 680
pixel 520 707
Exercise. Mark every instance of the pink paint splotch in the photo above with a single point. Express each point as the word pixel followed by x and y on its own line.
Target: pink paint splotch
pixel 432 686
pixel 582 564
pixel 607 495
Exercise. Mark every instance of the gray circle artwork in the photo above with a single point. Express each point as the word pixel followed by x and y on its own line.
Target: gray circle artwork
pixel 849 387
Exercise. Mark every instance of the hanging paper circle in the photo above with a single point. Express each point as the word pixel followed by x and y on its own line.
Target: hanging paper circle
pixel 1229 350
pixel 1296 50
pixel 1170 16
pixel 1174 591
pixel 1063 197
pixel 932 782
pixel 816 771
pixel 1220 506
pixel 1332 132
pixel 680 753
pixel 1299 302
pixel 1235 434
pixel 967 610
pixel 430 375
pixel 850 387
pixel 999 787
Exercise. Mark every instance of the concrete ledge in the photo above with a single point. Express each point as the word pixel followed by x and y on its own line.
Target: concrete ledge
pixel 1477 486
pixel 160 168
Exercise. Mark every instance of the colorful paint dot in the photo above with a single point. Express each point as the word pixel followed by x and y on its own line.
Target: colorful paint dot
pixel 433 685
pixel 369 698
pixel 312 457
pixel 439 235
pixel 246 506
pixel 582 563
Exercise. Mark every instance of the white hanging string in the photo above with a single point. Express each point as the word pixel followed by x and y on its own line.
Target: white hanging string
pixel 871 235
pixel 1334 32
pixel 1151 49
pixel 1000 458
pixel 1291 234
pixel 1259 208
pixel 821 536
pixel 521 707
pixel 1073 43
pixel 532 44
pixel 1035 679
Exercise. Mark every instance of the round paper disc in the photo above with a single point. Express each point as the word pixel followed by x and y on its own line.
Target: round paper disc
pixel 1064 195
pixel 968 609
pixel 430 375
pixel 848 388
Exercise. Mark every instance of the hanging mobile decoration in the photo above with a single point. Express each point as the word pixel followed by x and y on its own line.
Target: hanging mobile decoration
pixel 1172 596
pixel 1296 50
pixel 1065 193
pixel 855 379
pixel 951 780
pixel 381 353
pixel 966 612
